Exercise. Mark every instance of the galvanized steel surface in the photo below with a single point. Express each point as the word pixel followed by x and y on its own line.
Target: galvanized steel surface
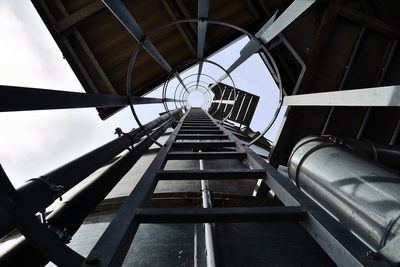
pixel 363 196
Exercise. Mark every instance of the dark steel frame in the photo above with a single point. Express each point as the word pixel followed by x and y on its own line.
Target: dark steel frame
pixel 70 215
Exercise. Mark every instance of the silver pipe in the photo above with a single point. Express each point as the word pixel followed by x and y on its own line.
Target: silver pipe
pixel 208 227
pixel 363 196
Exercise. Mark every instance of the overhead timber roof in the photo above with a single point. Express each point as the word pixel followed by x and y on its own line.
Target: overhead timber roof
pixel 334 45
pixel 99 48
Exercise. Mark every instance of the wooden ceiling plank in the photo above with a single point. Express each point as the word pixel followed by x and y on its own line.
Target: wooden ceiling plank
pixel 128 21
pixel 182 8
pixel 78 62
pixel 370 22
pixel 266 9
pixel 88 52
pixel 185 35
pixel 293 114
pixel 72 20
pixel 256 12
pixel 95 63
pixel 71 51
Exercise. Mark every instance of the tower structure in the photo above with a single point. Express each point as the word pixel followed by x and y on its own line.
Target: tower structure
pixel 197 186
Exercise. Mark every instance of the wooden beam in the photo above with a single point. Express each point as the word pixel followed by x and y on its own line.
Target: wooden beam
pixel 370 22
pixel 256 12
pixel 71 21
pixel 290 131
pixel 182 8
pixel 88 52
pixel 72 54
pixel 185 35
pixel 319 43
pixel 95 63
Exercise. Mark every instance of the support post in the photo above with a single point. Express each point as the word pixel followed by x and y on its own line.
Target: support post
pixel 13 98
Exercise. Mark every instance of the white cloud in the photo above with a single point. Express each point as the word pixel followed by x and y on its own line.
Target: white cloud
pixel 34 143
pixel 29 56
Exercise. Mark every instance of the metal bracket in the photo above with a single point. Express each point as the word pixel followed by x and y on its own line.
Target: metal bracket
pixel 57 189
pixel 37 233
pixel 61 233
pixel 120 133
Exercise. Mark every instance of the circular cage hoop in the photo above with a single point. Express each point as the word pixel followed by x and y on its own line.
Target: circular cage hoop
pixel 214 22
pixel 194 61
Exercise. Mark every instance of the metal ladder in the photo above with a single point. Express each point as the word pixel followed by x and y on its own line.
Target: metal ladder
pixel 197 136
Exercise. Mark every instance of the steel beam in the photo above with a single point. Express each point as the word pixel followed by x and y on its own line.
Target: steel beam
pixel 270 30
pixel 285 19
pixel 124 16
pixel 202 13
pixel 75 209
pixel 386 96
pixel 246 52
pixel 202 26
pixel 13 98
pixel 39 193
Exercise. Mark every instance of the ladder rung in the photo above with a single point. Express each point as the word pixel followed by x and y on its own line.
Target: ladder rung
pixel 206 155
pixel 240 214
pixel 208 120
pixel 199 122
pixel 210 174
pixel 204 145
pixel 199 127
pixel 201 136
pixel 200 132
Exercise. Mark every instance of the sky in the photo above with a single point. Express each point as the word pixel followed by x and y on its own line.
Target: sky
pixel 33 143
